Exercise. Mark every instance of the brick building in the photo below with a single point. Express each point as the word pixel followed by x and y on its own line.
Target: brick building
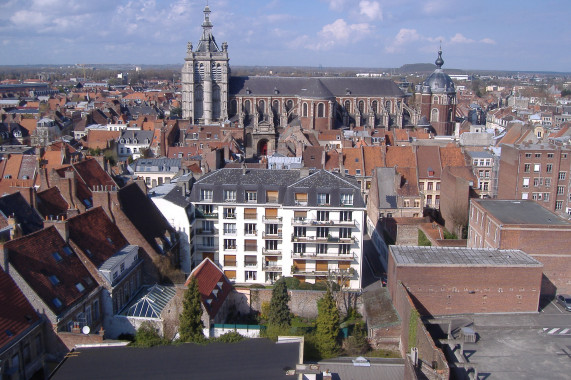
pixel 539 172
pixel 452 280
pixel 515 224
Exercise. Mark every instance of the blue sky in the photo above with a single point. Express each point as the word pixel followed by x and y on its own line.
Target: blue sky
pixel 501 34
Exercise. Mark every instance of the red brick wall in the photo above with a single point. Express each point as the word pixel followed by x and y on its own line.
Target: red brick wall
pixel 508 174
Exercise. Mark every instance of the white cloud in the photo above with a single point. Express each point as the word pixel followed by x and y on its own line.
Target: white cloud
pixel 371 9
pixel 403 37
pixel 336 5
pixel 339 32
pixel 436 6
pixel 488 41
pixel 459 38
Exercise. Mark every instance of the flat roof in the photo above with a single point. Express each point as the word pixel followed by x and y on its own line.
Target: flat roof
pixel 521 212
pixel 413 255
pixel 249 359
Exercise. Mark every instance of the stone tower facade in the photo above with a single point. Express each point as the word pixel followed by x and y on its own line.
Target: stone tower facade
pixel 205 77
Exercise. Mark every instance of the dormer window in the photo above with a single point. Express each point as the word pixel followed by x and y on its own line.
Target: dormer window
pixel 57 257
pixel 79 286
pixel 67 250
pixel 323 199
pixel 54 280
pixel 57 303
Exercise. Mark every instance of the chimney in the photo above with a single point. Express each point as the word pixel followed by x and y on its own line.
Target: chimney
pixel 323 159
pixel 3 257
pixel 14 233
pixel 61 226
pixel 303 172
pixel 327 375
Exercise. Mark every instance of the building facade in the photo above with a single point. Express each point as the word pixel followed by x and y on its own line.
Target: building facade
pixel 260 225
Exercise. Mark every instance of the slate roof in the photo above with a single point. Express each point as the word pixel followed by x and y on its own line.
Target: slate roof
pixel 521 212
pixel 410 255
pixel 386 187
pixel 171 165
pixel 40 255
pixel 26 216
pixel 320 88
pixel 249 359
pixel 93 232
pixel 16 312
pixel 213 285
pixel 149 302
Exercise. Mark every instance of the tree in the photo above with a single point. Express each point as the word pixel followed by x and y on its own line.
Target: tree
pixel 191 325
pixel 279 314
pixel 147 336
pixel 327 326
pixel 357 344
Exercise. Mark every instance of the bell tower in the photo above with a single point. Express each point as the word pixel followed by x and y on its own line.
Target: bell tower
pixel 205 77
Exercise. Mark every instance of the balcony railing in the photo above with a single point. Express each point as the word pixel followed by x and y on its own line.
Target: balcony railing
pixel 272 268
pixel 207 231
pixel 324 256
pixel 272 219
pixel 203 247
pixel 206 215
pixel 268 235
pixel 317 223
pixel 271 252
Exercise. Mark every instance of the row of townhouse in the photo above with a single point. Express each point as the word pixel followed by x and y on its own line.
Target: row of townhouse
pixel 259 225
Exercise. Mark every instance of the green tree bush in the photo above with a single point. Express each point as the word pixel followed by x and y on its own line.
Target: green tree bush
pixel 191 325
pixel 147 336
pixel 327 326
pixel 279 314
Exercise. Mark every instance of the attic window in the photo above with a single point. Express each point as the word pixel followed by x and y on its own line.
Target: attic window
pixel 80 287
pixel 209 302
pixel 67 250
pixel 219 284
pixel 57 256
pixel 88 252
pixel 109 240
pixel 57 303
pixel 54 280
pixel 431 173
pixel 9 332
pixel 7 176
pixel 215 293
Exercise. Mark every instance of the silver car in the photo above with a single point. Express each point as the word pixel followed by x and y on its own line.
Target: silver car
pixel 565 301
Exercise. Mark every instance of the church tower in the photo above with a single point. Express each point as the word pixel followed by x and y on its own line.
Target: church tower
pixel 205 77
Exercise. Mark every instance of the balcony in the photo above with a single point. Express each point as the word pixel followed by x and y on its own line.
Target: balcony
pixel 206 215
pixel 202 247
pixel 272 200
pixel 272 219
pixel 272 267
pixel 324 256
pixel 329 223
pixel 271 252
pixel 268 235
pixel 207 231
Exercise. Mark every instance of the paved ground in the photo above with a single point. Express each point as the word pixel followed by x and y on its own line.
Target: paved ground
pixel 524 346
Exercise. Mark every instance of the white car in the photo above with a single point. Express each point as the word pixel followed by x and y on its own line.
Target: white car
pixel 565 301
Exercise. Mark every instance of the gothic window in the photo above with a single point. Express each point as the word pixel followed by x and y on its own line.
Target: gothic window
pixel 375 107
pixel 233 107
pixel 276 107
pixel 247 107
pixel 198 98
pixel 216 102
pixel 289 105
pixel 436 100
pixel 261 107
pixel 216 72
pixel 321 110
pixel 304 112
pixel 388 105
pixel 450 115
pixel 361 106
pixel 434 115
pixel 348 106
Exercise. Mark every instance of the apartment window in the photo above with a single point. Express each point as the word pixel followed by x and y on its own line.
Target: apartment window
pixel 538 155
pixel 346 199
pixel 421 185
pixel 229 212
pixel 272 229
pixel 272 196
pixel 549 155
pixel 301 199
pixel 486 186
pixel 250 275
pixel 272 245
pixel 547 182
pixel 250 261
pixel 250 228
pixel 230 228
pixel 322 232
pixel 560 190
pixel 429 186
pixel 549 168
pixel 323 216
pixel 437 185
pixel 323 199
pixel 208 241
pixel 528 155
pixel 206 195
pixel 406 203
pixel 546 197
pixel 344 233
pixel 229 260
pixel 524 195
pixel 344 249
pixel 527 168
pixel 230 195
pixel 346 216
pixel 230 244
pixel 536 196
pixel 299 247
pixel 536 168
pixel 250 213
pixel 54 280
pixel 57 257
pixel 558 205
pixel 357 171
pixel 536 182
pixel 417 203
pixel 321 248
pixel 561 176
pixel 429 200
pixel 437 200
pixel 525 183
pixel 251 196
pixel 299 231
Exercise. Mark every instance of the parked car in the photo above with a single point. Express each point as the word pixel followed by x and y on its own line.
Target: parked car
pixel 565 301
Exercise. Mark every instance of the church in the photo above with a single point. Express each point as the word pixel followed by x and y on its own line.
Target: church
pixel 264 106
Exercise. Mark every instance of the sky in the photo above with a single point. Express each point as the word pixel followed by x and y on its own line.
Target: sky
pixel 516 35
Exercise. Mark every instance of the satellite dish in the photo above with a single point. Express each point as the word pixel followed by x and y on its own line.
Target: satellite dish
pixel 86 330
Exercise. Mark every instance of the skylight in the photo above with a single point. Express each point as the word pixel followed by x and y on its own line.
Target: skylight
pixel 57 302
pixel 80 287
pixel 57 256
pixel 54 280
pixel 67 250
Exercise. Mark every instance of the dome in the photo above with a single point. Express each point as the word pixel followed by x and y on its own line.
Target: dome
pixel 439 81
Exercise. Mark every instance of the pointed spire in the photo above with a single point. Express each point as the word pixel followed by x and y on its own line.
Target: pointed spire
pixel 439 61
pixel 207 42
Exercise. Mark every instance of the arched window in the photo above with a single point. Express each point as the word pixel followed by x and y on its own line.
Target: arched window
pixel 321 110
pixel 361 106
pixel 216 102
pixel 348 106
pixel 198 98
pixel 247 107
pixel 388 105
pixel 434 115
pixel 304 112
pixel 276 107
pixel 375 106
pixel 233 107
pixel 262 107
pixel 289 105
pixel 436 100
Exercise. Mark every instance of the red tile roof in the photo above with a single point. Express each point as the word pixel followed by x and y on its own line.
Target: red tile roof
pixel 208 276
pixel 94 232
pixel 34 258
pixel 428 159
pixel 452 156
pixel 400 156
pixel 16 313
pixel 51 203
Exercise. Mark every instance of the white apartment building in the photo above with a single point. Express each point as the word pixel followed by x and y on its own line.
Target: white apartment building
pixel 259 225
